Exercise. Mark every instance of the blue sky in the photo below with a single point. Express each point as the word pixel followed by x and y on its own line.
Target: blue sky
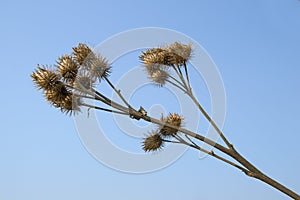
pixel 256 46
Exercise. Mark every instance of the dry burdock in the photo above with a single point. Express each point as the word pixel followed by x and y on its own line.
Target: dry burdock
pixel 153 142
pixel 75 76
pixel 69 81
pixel 172 119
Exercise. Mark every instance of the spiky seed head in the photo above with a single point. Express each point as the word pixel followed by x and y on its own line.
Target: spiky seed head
pixel 146 56
pixel 100 68
pixel 82 53
pixel 44 78
pixel 157 73
pixel 156 56
pixel 71 104
pixel 152 142
pixel 56 95
pixel 172 119
pixel 160 77
pixel 153 67
pixel 176 60
pixel 184 51
pixel 63 99
pixel 175 54
pixel 68 68
pixel 84 82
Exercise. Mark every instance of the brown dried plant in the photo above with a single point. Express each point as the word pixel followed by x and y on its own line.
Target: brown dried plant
pixel 75 76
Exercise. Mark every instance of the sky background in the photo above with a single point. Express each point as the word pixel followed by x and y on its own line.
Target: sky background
pixel 256 47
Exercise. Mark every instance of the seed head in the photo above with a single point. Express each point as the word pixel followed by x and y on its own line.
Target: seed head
pixel 71 104
pixel 99 67
pixel 44 78
pixel 68 68
pixel 175 54
pixel 84 82
pixel 157 73
pixel 172 119
pixel 183 51
pixel 152 142
pixel 82 53
pixel 56 95
pixel 156 56
pixel 160 77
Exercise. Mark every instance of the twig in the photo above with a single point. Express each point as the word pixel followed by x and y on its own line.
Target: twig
pixel 211 153
pixel 174 84
pixel 179 83
pixel 179 74
pixel 103 109
pixel 190 139
pixel 209 119
pixel 175 142
pixel 117 91
pixel 187 77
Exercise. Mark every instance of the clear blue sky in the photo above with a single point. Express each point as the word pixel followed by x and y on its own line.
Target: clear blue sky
pixel 256 46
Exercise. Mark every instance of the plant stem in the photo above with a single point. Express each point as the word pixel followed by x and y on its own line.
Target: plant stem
pixel 255 173
pixel 103 109
pixel 248 168
pixel 117 91
pixel 174 84
pixel 178 82
pixel 209 119
pixel 179 74
pixel 188 90
pixel 187 77
pixel 252 171
pixel 211 153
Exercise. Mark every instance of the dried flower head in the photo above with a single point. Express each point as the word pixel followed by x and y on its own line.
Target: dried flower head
pixel 84 82
pixel 100 68
pixel 152 142
pixel 82 53
pixel 71 104
pixel 57 95
pixel 157 73
pixel 175 54
pixel 68 68
pixel 172 119
pixel 45 78
pixel 182 50
pixel 156 56
pixel 160 77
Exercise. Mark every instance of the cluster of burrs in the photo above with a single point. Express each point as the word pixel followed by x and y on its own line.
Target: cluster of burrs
pixel 159 64
pixel 155 140
pixel 159 61
pixel 73 76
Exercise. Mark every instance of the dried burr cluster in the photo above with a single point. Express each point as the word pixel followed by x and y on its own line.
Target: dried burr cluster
pixel 157 61
pixel 75 76
pixel 155 140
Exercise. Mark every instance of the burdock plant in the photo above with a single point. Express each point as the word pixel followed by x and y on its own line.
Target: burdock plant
pixel 74 77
